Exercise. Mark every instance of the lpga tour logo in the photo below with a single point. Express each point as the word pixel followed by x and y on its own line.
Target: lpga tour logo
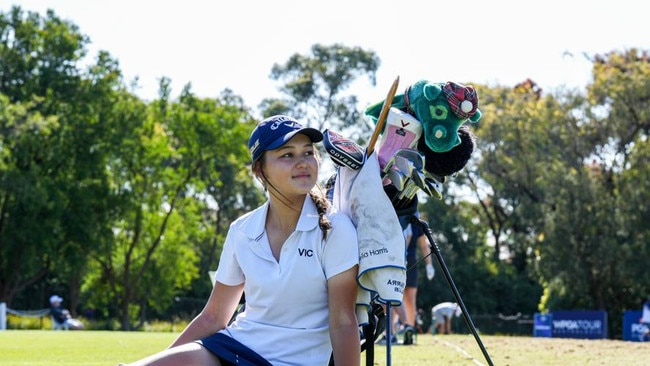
pixel 580 324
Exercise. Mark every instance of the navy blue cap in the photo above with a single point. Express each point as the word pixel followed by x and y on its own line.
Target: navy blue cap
pixel 275 131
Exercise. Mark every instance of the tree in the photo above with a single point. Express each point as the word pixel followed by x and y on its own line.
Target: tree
pixel 163 174
pixel 26 252
pixel 601 206
pixel 314 85
pixel 53 177
pixel 552 180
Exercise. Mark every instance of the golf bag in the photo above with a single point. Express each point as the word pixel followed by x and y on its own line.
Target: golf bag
pixel 378 191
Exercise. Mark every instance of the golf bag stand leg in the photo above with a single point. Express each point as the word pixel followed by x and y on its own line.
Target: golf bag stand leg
pixel 389 333
pixel 435 250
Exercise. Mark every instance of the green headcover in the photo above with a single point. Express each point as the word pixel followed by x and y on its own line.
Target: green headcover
pixel 441 108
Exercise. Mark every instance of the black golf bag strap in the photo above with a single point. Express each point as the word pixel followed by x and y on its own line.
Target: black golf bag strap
pixel 373 330
pixel 370 343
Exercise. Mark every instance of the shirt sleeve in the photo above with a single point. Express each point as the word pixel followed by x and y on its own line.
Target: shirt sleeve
pixel 341 251
pixel 229 272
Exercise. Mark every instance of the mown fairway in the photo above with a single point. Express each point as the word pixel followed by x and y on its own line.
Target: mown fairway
pixel 88 348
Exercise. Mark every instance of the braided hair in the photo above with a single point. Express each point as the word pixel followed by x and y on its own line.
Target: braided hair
pixel 322 205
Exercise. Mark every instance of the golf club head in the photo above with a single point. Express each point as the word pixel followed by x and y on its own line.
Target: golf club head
pixel 343 151
pixel 434 185
pixel 414 156
pixel 397 178
pixel 404 165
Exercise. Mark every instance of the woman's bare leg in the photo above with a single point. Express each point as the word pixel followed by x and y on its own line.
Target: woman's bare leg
pixel 187 354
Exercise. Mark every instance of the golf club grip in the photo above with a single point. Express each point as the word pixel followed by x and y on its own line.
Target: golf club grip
pixel 382 117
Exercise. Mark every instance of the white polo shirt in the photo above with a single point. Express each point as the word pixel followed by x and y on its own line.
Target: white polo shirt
pixel 447 309
pixel 286 316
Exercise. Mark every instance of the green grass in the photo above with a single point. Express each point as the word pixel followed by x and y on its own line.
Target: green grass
pixel 108 348
pixel 87 348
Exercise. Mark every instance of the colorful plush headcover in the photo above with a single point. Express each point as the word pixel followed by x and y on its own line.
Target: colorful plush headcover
pixel 441 108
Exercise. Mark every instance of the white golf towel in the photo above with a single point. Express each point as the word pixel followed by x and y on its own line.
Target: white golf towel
pixel 382 268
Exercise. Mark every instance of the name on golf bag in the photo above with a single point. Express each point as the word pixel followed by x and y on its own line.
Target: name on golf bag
pixel 373 252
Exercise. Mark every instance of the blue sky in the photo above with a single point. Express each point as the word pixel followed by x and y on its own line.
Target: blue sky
pixel 215 45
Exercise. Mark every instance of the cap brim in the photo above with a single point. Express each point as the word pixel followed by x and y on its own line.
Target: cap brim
pixel 313 134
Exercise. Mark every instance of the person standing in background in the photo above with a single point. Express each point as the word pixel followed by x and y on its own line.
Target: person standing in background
pixel 415 239
pixel 399 316
pixel 645 317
